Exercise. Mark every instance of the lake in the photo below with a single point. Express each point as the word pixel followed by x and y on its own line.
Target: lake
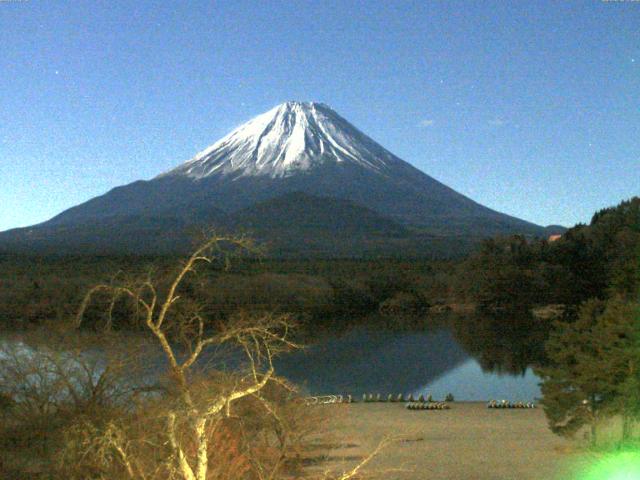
pixel 373 361
pixel 367 360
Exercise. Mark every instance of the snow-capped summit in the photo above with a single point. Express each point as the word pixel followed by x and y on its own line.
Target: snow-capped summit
pixel 292 137
pixel 299 175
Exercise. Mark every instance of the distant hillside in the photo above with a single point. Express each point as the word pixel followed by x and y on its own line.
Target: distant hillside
pixel 586 261
pixel 308 214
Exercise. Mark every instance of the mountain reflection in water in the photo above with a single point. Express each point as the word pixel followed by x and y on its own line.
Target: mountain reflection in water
pixel 475 358
pixel 373 361
pixel 469 382
pixel 370 361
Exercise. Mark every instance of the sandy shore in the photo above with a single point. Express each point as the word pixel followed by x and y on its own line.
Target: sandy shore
pixel 467 442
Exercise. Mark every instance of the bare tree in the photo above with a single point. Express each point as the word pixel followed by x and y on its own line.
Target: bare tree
pixel 53 374
pixel 197 407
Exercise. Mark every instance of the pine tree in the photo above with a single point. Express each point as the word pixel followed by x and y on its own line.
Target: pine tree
pixel 618 331
pixel 594 372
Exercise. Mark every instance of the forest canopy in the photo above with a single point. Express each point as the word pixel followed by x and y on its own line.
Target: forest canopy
pixel 587 261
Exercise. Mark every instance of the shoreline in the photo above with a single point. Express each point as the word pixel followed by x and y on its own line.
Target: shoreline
pixel 466 442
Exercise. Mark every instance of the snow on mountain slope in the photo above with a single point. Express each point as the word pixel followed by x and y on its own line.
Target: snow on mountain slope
pixel 299 171
pixel 299 147
pixel 292 137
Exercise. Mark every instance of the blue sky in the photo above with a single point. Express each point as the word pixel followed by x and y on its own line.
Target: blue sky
pixel 531 108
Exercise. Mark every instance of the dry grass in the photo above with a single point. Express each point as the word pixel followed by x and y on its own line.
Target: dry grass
pixel 467 442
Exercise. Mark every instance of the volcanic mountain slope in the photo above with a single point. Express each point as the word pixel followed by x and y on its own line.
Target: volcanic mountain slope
pixel 296 148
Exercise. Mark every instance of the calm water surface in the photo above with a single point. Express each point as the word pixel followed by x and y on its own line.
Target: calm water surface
pixel 365 360
pixel 368 361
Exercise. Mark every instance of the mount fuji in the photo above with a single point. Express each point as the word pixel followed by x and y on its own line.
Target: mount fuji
pixel 299 177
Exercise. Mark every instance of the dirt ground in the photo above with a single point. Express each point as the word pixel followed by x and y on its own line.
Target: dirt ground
pixel 467 442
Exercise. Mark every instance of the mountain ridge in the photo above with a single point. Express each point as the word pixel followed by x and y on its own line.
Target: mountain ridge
pixel 295 147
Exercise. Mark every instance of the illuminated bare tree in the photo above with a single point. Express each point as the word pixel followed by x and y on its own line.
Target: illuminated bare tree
pixel 194 413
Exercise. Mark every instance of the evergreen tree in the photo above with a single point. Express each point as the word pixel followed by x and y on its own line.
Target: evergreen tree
pixel 616 336
pixel 594 370
pixel 574 389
